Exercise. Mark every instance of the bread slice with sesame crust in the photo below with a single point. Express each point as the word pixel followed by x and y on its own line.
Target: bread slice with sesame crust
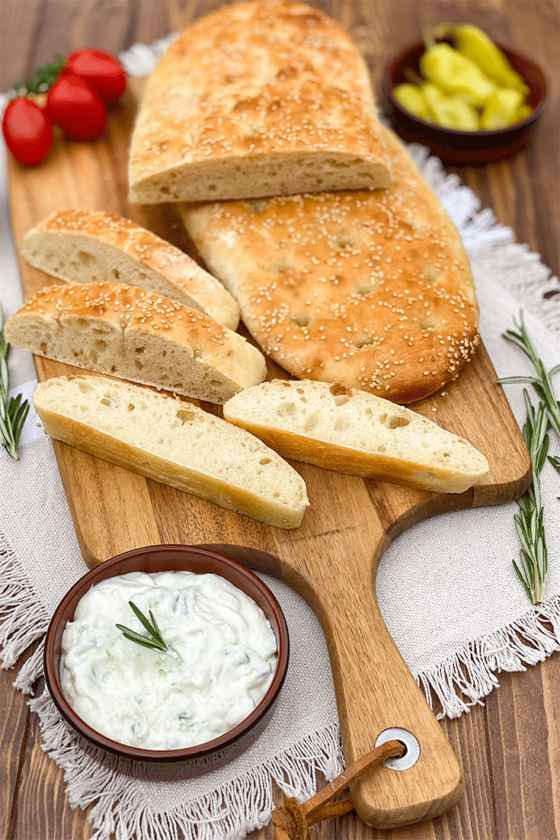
pixel 369 289
pixel 85 246
pixel 133 334
pixel 256 99
pixel 173 442
pixel 356 433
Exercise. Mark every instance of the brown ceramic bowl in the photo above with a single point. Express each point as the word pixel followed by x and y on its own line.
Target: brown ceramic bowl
pixel 464 148
pixel 161 558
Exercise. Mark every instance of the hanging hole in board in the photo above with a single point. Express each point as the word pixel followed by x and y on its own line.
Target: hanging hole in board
pixel 408 740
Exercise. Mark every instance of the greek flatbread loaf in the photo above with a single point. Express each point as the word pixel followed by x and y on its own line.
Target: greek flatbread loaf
pixel 132 334
pixel 174 442
pixel 82 246
pixel 357 433
pixel 370 290
pixel 257 98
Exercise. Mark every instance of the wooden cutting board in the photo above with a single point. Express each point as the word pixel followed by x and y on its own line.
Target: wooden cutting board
pixel 332 559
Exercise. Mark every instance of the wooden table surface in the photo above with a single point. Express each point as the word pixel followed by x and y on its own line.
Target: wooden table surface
pixel 510 747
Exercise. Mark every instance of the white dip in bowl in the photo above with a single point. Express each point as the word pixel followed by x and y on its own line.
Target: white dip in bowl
pixel 221 660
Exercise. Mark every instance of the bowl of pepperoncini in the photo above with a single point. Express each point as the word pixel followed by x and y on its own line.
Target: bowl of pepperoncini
pixel 470 100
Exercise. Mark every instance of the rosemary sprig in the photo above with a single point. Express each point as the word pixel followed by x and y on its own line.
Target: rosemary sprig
pixel 154 640
pixel 542 382
pixel 14 410
pixel 529 523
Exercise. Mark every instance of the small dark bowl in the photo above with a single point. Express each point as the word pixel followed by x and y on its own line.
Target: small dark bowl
pixel 162 558
pixel 464 148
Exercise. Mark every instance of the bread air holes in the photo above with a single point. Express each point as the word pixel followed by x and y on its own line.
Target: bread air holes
pixel 393 421
pixel 286 410
pixel 185 416
pixel 116 273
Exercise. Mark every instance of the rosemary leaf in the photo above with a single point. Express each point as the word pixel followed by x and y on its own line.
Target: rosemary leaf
pixel 154 640
pixel 138 638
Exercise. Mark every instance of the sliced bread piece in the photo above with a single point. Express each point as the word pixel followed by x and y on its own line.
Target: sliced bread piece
pixel 173 442
pixel 258 98
pixel 83 246
pixel 354 432
pixel 132 334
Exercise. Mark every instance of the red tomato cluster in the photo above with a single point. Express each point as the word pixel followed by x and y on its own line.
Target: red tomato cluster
pixel 88 81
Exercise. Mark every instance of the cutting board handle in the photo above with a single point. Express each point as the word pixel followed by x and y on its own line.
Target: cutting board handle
pixel 375 692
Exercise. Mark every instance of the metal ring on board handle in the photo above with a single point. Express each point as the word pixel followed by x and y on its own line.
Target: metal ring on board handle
pixel 412 753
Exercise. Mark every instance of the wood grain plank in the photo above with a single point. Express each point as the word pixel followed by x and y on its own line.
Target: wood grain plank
pixel 14 723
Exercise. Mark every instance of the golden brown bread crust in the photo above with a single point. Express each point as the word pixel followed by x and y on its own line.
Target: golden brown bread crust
pixel 192 285
pixel 253 100
pixel 371 290
pixel 133 334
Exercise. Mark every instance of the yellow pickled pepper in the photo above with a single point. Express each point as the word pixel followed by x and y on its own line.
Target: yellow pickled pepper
pixel 455 73
pixel 501 109
pixel 412 98
pixel 475 44
pixel 450 111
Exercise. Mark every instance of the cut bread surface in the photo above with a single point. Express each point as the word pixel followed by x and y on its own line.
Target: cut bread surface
pixel 354 432
pixel 133 334
pixel 82 246
pixel 257 98
pixel 173 442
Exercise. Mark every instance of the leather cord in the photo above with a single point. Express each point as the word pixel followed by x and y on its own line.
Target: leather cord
pixel 293 818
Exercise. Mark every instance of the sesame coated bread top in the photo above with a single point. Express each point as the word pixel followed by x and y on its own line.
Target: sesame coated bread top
pixel 257 98
pixel 91 246
pixel 369 289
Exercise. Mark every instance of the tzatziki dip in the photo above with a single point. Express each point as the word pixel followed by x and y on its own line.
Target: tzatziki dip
pixel 220 661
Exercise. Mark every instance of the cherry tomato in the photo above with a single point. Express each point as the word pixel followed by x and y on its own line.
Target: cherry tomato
pixel 100 70
pixel 76 108
pixel 27 131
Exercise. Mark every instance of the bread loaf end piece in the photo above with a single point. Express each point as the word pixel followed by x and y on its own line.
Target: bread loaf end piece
pixel 172 442
pixel 255 99
pixel 357 433
pixel 83 246
pixel 132 334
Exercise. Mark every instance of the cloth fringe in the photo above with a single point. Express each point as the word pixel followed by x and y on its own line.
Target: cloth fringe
pixel 230 812
pixel 23 619
pixel 462 680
